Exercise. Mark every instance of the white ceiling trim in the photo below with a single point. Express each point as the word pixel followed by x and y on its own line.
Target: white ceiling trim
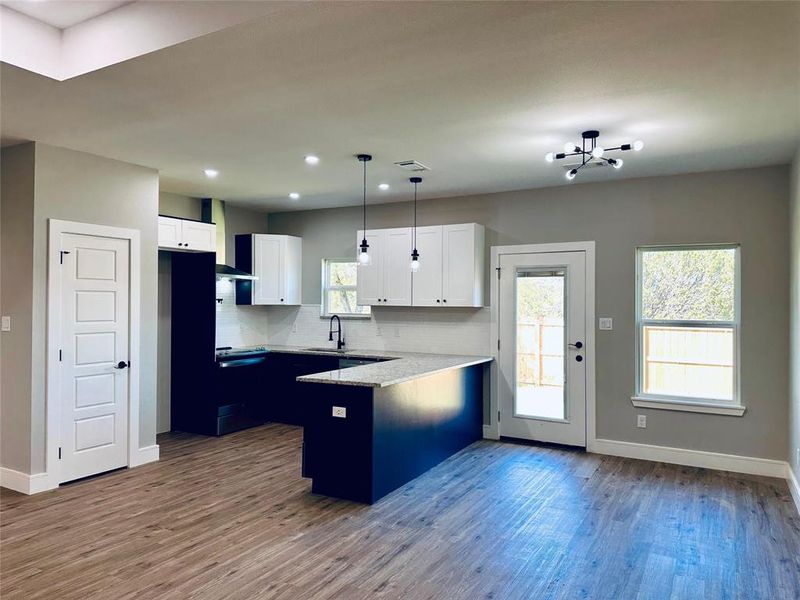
pixel 132 29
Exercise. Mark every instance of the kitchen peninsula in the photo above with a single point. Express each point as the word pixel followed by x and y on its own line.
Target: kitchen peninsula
pixel 371 428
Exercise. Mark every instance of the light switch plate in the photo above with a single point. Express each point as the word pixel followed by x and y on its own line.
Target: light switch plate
pixel 340 412
pixel 6 323
pixel 606 323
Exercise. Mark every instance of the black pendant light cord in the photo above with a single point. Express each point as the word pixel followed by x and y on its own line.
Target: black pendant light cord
pixel 365 198
pixel 415 215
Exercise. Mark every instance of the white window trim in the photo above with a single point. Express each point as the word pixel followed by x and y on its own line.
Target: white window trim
pixel 323 312
pixel 640 399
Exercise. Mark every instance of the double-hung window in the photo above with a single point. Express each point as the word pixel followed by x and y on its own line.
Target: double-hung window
pixel 339 277
pixel 687 313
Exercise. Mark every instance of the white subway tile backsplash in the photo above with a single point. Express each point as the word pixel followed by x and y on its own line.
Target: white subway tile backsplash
pixel 436 330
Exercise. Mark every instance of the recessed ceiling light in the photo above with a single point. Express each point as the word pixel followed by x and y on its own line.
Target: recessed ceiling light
pixel 383 186
pixel 312 159
pixel 294 196
pixel 211 173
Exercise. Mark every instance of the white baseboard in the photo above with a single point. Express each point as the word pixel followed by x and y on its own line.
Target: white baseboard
pixel 145 455
pixel 693 458
pixel 24 483
pixel 794 486
pixel 490 433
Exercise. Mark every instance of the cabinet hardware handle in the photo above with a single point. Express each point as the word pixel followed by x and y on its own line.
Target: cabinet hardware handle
pixel 179 244
pixel 438 300
pixel 281 299
pixel 444 300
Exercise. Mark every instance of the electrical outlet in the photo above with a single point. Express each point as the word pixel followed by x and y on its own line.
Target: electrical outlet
pixel 340 412
pixel 6 323
pixel 641 421
pixel 606 324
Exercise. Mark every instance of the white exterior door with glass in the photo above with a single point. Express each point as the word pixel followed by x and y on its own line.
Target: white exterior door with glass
pixel 542 346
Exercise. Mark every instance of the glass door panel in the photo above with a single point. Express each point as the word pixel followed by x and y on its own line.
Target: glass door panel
pixel 540 344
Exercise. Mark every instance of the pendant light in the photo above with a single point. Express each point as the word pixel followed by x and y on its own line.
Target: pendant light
pixel 363 256
pixel 414 254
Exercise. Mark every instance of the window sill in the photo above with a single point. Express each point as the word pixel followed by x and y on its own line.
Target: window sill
pixel 348 317
pixel 713 408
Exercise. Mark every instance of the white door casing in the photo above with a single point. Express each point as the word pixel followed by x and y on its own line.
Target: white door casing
pixel 94 339
pixel 92 353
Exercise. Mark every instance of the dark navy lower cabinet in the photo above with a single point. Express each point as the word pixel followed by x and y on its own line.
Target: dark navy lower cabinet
pixel 387 436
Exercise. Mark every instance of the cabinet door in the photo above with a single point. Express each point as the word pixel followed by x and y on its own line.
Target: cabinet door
pixel 169 233
pixel 369 285
pixel 293 271
pixel 199 237
pixel 427 282
pixel 397 268
pixel 462 265
pixel 268 265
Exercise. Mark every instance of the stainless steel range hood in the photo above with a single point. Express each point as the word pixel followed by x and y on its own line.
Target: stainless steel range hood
pixel 226 272
pixel 214 212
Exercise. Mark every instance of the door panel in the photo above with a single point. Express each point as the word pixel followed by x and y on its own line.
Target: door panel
pixel 459 272
pixel 268 266
pixel 542 327
pixel 427 282
pixel 397 270
pixel 200 237
pixel 369 285
pixel 94 338
pixel 169 232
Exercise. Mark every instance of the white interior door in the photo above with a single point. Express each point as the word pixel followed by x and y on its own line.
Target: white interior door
pixel 427 282
pixel 542 333
pixel 94 378
pixel 268 264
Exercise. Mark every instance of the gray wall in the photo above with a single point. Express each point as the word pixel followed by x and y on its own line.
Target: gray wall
pixel 746 206
pixel 81 187
pixel 16 298
pixel 794 399
pixel 237 220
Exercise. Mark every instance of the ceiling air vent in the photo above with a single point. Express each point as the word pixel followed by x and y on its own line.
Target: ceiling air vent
pixel 412 165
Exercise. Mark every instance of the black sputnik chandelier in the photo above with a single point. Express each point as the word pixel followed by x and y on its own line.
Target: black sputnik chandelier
pixel 591 153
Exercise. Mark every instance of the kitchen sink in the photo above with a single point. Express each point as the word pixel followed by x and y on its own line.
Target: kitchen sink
pixel 326 350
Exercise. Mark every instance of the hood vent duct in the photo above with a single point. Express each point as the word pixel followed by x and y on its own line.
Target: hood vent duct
pixel 214 212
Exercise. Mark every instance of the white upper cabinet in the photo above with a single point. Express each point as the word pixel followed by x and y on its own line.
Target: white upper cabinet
pixel 276 261
pixel 427 281
pixel 186 236
pixel 386 280
pixel 462 264
pixel 451 267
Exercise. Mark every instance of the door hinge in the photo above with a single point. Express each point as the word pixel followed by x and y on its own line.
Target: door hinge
pixel 59 355
pixel 62 253
pixel 59 453
pixel 498 344
pixel 498 272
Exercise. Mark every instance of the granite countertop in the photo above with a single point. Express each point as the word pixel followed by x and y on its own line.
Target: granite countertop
pixel 393 368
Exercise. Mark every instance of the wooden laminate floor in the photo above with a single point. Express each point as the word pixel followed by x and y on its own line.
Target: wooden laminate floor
pixel 232 518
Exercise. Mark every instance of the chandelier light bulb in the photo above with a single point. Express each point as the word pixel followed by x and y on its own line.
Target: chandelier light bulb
pixel 617 163
pixel 414 265
pixel 549 157
pixel 638 145
pixel 570 175
pixel 363 258
pixel 597 152
pixel 569 147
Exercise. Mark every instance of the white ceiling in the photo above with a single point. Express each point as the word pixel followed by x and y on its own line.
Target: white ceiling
pixel 478 91
pixel 63 13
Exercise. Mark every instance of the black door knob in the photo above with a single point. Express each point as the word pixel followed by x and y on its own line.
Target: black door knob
pixel 579 358
pixel 577 345
pixel 121 365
